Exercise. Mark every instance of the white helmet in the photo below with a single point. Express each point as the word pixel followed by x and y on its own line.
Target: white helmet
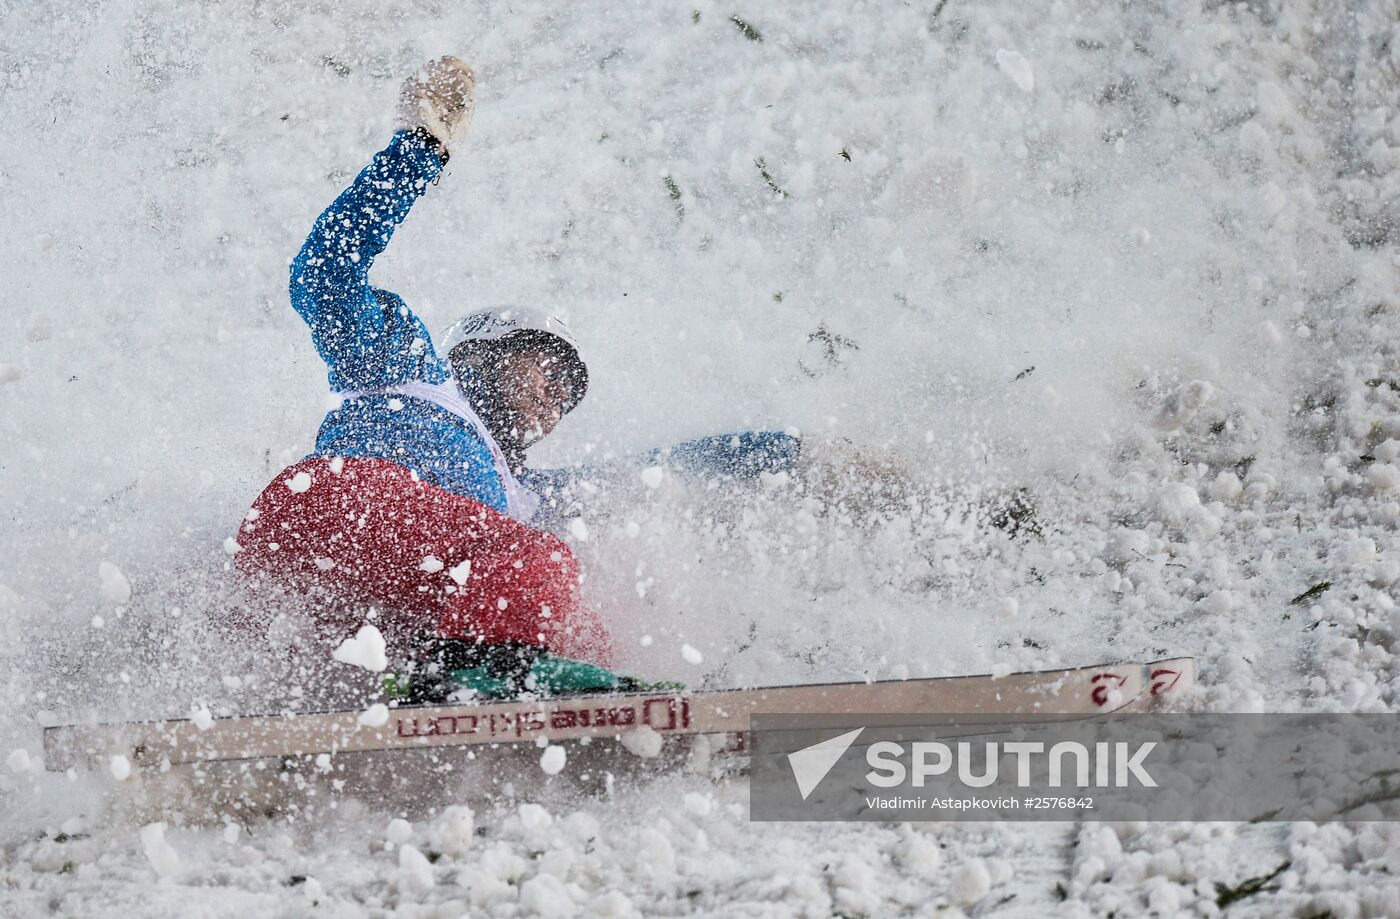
pixel 509 327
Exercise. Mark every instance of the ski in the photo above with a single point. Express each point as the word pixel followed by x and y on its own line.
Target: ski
pixel 1084 692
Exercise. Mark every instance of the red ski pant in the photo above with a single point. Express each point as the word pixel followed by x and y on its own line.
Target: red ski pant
pixel 368 531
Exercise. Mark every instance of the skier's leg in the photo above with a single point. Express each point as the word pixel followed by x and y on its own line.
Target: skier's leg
pixel 524 589
pixel 369 531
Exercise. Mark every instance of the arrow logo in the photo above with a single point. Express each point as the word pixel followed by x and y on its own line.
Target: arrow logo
pixel 811 764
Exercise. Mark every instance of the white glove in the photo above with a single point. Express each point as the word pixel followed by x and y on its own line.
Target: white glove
pixel 439 100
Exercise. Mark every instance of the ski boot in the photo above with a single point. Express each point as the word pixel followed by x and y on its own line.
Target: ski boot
pixel 505 671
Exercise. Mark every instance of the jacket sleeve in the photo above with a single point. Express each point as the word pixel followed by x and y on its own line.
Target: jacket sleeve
pixel 742 456
pixel 368 338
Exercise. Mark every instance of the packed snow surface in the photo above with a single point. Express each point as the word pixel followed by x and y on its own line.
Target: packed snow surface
pixel 1136 259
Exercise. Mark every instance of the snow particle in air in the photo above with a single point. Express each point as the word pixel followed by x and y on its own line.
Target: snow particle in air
pixel 376 716
pixel 553 759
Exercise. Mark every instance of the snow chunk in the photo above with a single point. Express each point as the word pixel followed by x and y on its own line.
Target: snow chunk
pixel 546 896
pixel 970 883
pixel 415 872
pixel 1385 572
pixel 365 650
pixel 501 864
pixel 1017 68
pixel 919 854
pixel 856 888
pixel 652 476
pixel 534 818
pixel 578 529
pixel 698 804
pixel 1008 606
pixel 1179 500
pixel 120 767
pixel 1360 550
pixel 162 856
pixel 18 761
pixel 558 862
pixel 376 716
pixel 1182 406
pixel 1384 477
pixel 454 831
pixel 553 759
pixel 398 832
pixel 300 483
pixel 1127 544
pixel 432 564
pixel 202 717
pixel 115 587
pixel 611 905
pixel 691 655
pixel 483 889
pixel 1226 487
pixel 1164 898
pixel 1218 602
pixel 642 741
pixel 655 852
pixel 231 546
pixel 460 572
pixel 581 826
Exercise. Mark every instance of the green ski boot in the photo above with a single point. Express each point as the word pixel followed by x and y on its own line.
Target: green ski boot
pixel 507 671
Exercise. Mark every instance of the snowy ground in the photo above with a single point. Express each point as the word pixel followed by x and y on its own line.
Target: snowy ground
pixel 874 218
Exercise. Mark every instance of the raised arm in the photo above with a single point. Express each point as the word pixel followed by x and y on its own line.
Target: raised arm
pixel 369 338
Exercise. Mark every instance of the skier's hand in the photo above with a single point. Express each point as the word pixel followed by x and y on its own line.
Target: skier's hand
pixel 438 99
pixel 862 479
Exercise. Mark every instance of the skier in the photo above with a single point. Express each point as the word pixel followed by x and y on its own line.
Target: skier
pixel 416 500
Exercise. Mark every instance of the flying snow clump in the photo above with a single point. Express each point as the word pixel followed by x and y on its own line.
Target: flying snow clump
pixel 115 587
pixel 1017 68
pixel 553 759
pixel 366 650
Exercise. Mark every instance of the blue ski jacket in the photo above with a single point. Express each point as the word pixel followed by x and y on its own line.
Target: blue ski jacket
pixel 370 340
